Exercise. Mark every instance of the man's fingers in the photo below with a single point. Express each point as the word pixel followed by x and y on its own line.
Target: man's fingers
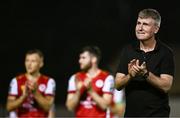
pixel 135 68
pixel 31 85
pixel 79 85
pixel 133 61
pixel 143 64
pixel 87 82
pixel 137 62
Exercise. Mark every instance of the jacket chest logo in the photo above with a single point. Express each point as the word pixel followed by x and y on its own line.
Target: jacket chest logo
pixel 99 83
pixel 42 87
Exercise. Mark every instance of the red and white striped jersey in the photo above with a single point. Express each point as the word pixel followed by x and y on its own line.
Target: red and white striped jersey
pixel 30 108
pixel 101 84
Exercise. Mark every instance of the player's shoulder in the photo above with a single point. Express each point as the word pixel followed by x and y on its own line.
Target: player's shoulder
pixel 46 78
pixel 105 72
pixel 20 76
pixel 80 75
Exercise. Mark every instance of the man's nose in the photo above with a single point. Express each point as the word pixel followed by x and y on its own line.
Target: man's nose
pixel 140 27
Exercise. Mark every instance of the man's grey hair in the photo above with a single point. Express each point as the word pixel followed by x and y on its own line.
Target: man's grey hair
pixel 151 13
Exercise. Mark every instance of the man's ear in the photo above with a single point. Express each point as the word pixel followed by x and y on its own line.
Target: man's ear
pixel 42 63
pixel 156 30
pixel 94 59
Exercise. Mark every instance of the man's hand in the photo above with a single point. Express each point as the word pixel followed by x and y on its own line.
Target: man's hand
pixel 132 72
pixel 87 83
pixel 135 69
pixel 32 85
pixel 143 69
pixel 83 85
pixel 25 91
pixel 79 85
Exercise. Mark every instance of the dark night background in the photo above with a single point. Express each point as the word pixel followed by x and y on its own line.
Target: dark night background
pixel 61 28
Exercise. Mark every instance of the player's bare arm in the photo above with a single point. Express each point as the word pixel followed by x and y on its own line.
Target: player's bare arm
pixel 121 79
pixel 164 82
pixel 74 98
pixel 13 102
pixel 45 102
pixel 102 101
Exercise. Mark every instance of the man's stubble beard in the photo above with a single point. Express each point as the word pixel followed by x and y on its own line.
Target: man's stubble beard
pixel 87 67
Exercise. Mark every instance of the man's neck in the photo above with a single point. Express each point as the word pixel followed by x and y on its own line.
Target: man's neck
pixel 33 76
pixel 148 45
pixel 93 72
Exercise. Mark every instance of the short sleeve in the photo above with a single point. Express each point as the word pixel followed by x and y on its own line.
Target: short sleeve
pixel 118 96
pixel 13 114
pixel 108 84
pixel 167 64
pixel 51 86
pixel 13 87
pixel 123 62
pixel 72 84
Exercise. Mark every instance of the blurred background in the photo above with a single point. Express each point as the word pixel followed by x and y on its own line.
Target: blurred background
pixel 61 28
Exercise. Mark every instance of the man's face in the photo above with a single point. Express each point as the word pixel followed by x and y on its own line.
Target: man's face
pixel 33 63
pixel 85 61
pixel 146 28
